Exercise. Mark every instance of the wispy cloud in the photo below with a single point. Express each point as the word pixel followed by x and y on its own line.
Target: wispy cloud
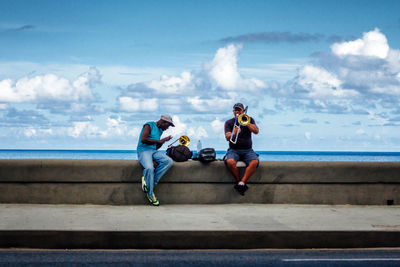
pixel 284 37
pixel 24 28
pixel 274 37
pixel 16 28
pixel 338 38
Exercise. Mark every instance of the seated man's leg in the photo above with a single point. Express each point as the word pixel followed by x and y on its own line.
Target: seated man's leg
pixel 164 164
pixel 251 159
pixel 231 159
pixel 146 159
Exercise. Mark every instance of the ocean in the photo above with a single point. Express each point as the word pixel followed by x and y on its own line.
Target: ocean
pixel 264 155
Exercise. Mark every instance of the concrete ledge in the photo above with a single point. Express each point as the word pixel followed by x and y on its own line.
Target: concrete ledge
pixel 49 170
pixel 117 182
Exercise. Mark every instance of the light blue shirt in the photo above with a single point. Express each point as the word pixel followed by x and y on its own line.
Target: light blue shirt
pixel 155 134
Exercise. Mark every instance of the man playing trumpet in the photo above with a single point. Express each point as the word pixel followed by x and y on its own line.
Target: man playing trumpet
pixel 238 132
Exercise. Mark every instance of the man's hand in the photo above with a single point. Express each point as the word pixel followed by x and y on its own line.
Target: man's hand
pixel 162 141
pixel 229 135
pixel 166 139
pixel 236 130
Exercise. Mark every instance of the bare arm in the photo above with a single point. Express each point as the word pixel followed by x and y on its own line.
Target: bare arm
pixel 145 138
pixel 253 128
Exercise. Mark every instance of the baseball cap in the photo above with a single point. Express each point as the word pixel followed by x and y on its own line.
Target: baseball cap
pixel 167 118
pixel 238 105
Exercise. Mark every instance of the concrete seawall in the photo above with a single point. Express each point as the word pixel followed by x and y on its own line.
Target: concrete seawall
pixel 117 182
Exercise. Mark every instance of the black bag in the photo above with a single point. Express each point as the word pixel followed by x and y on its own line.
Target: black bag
pixel 179 153
pixel 207 155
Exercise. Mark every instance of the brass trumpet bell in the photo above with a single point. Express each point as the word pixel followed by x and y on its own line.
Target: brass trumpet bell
pixel 243 119
pixel 184 140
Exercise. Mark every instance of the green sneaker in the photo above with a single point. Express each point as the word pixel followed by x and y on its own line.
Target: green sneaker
pixel 153 200
pixel 144 186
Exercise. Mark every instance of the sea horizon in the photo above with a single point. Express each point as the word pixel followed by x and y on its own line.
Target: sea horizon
pixel 130 154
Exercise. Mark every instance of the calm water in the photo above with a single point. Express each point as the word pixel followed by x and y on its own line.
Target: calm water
pixel 264 155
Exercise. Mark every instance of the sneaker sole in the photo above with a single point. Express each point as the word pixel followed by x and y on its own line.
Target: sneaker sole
pixel 157 203
pixel 144 186
pixel 238 189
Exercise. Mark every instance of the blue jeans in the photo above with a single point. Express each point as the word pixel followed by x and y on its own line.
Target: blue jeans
pixel 152 176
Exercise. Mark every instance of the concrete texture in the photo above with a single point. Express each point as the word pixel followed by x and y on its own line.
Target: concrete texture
pixel 199 226
pixel 199 193
pixel 54 170
pixel 117 182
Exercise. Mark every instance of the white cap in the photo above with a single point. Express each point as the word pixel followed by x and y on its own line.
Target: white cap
pixel 167 118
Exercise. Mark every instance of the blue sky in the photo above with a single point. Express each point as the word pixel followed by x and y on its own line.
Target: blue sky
pixel 316 75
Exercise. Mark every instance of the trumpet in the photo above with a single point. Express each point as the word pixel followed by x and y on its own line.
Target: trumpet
pixel 184 140
pixel 241 120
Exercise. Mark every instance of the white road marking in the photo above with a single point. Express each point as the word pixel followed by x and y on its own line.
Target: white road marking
pixel 355 259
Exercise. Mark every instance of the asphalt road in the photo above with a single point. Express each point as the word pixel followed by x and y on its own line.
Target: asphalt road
pixel 248 258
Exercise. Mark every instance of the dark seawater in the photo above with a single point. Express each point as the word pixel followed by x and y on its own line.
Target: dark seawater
pixel 264 155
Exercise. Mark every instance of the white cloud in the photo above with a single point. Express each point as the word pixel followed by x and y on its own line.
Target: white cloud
pixel 356 77
pixel 116 126
pixel 86 81
pixel 49 87
pixel 134 132
pixel 223 68
pixel 85 129
pixel 307 135
pixel 322 84
pixel 30 132
pixel 377 118
pixel 197 132
pixel 130 104
pixel 37 132
pixel 373 44
pixel 218 126
pixel 213 104
pixel 173 85
pixel 8 93
pixel 196 91
pixel 360 132
pixel 182 128
pixel 393 61
pixel 179 129
pixel 224 71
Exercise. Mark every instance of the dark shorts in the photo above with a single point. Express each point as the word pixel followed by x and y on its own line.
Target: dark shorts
pixel 245 155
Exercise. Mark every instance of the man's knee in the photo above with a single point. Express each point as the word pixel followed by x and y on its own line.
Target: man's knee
pixel 231 163
pixel 167 161
pixel 253 163
pixel 170 162
pixel 148 168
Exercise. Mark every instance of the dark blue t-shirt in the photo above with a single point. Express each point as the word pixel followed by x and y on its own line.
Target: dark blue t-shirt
pixel 244 139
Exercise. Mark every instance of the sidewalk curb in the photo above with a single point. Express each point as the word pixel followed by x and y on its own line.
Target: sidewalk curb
pixel 198 239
